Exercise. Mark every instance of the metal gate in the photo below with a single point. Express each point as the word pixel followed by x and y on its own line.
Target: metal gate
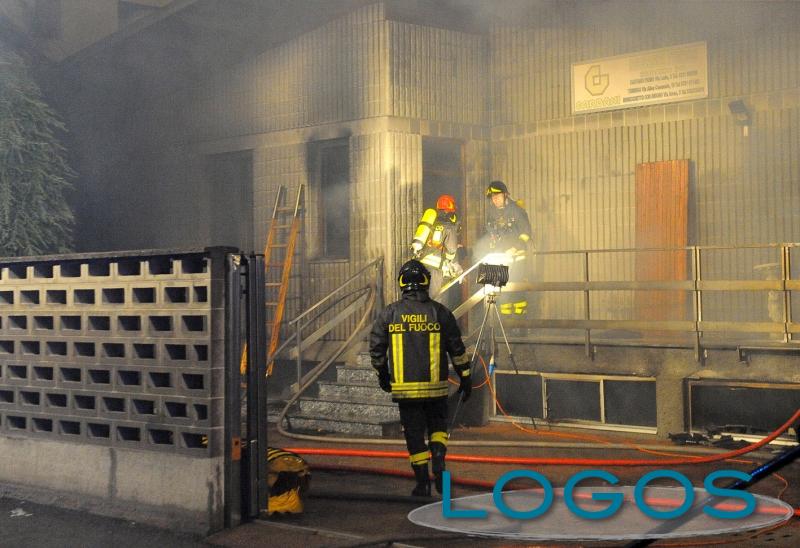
pixel 246 488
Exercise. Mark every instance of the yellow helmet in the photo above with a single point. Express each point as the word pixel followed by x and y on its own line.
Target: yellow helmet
pixel 496 187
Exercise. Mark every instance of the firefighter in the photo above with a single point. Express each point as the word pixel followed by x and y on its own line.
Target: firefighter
pixel 419 334
pixel 509 232
pixel 436 244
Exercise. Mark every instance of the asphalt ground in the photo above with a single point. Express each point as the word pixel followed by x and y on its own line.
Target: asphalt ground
pixel 350 509
pixel 24 524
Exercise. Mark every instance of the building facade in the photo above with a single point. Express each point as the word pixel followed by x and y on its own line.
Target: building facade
pixel 378 109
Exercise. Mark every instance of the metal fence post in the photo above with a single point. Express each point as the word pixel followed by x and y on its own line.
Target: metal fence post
pixel 786 274
pixel 299 360
pixel 586 304
pixel 258 489
pixel 233 380
pixel 698 303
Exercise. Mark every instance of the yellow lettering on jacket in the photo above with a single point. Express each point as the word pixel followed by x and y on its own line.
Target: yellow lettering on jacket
pixel 414 317
pixel 421 327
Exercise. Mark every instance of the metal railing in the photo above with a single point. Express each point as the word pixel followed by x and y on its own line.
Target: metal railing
pixel 371 276
pixel 696 285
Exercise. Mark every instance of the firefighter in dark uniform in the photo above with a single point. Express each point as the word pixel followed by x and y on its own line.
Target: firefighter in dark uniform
pixel 508 230
pixel 436 245
pixel 419 334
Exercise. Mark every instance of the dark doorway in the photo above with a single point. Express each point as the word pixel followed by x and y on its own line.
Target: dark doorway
pixel 230 199
pixel 332 166
pixel 442 173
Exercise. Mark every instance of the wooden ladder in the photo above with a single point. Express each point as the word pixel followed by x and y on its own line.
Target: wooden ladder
pixel 284 229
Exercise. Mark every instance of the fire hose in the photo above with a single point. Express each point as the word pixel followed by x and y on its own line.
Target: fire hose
pixel 484 459
pixel 544 461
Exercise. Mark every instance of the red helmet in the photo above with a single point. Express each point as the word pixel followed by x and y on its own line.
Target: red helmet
pixel 446 203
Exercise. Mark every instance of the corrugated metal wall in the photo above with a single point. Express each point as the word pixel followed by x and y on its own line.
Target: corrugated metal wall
pixel 334 73
pixel 752 49
pixel 404 178
pixel 578 188
pixel 576 173
pixel 437 74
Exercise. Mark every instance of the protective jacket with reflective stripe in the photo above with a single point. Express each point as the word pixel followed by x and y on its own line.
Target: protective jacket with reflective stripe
pixel 438 234
pixel 508 226
pixel 418 334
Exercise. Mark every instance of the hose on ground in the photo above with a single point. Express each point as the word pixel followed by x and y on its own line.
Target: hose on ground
pixel 563 461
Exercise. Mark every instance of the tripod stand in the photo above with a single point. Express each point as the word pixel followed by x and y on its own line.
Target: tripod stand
pixel 488 319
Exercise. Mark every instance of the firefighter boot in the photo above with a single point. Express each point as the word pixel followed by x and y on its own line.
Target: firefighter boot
pixel 423 487
pixel 438 451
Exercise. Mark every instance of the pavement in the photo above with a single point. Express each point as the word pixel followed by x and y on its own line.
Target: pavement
pixel 346 509
pixel 25 524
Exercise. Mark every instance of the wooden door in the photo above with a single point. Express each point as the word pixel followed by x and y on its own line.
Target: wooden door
pixel 662 201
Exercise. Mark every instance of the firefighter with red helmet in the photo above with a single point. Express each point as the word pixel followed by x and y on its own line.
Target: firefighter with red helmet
pixel 436 245
pixel 410 343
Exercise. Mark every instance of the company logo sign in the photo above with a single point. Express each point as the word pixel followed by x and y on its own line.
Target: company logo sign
pixel 595 82
pixel 651 77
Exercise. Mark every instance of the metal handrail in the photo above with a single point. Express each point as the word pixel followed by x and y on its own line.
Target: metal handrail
pixel 376 262
pixel 375 286
pixel 358 292
pixel 695 283
pixel 687 248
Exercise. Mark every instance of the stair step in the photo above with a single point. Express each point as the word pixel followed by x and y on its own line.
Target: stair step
pixel 351 427
pixel 362 392
pixel 361 419
pixel 355 375
pixel 348 410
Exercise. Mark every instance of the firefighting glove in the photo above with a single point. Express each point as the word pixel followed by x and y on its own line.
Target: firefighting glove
pixel 465 387
pixel 383 380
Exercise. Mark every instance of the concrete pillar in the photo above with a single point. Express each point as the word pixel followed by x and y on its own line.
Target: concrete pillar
pixel 670 405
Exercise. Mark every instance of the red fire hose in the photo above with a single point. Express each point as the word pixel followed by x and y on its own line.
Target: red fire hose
pixel 553 461
pixel 526 461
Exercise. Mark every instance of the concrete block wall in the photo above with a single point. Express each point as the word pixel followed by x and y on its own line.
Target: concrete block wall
pixel 105 357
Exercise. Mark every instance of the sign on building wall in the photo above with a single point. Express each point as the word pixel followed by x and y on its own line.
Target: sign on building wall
pixel 665 75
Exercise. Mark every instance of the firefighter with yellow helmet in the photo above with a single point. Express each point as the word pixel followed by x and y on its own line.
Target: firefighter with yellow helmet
pixel 436 245
pixel 508 230
pixel 410 343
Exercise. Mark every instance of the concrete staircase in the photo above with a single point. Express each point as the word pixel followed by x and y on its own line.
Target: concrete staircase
pixel 353 404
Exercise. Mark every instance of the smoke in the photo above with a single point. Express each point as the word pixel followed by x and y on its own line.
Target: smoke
pixel 713 17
